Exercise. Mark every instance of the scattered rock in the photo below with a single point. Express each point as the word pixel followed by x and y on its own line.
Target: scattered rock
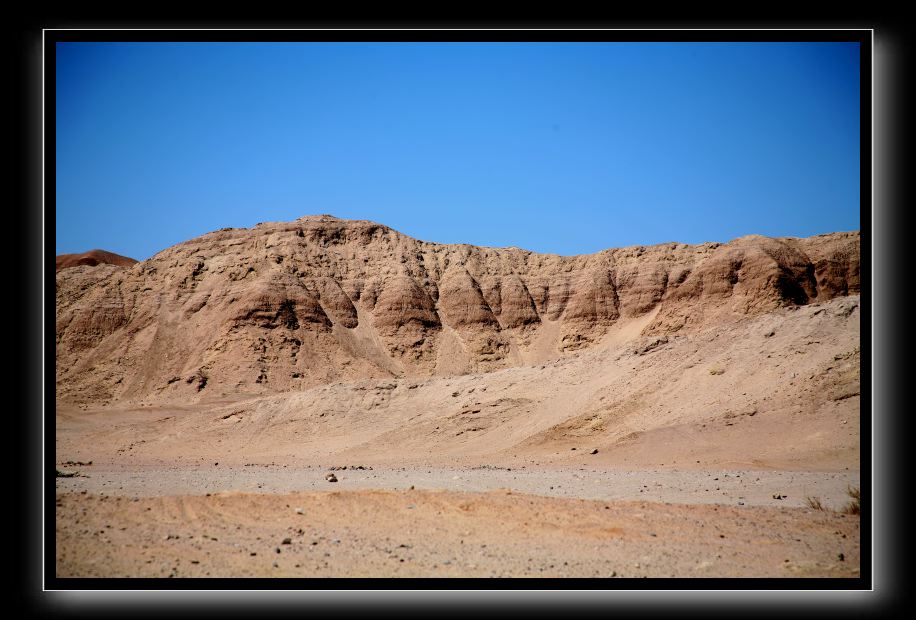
pixel 331 478
pixel 650 345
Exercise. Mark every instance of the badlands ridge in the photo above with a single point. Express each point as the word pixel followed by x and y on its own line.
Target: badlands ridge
pixel 287 306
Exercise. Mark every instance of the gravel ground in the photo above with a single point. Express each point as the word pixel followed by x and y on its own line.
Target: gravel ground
pixel 729 487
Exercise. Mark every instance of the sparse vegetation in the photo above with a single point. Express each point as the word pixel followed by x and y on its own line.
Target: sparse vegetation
pixel 853 507
pixel 814 502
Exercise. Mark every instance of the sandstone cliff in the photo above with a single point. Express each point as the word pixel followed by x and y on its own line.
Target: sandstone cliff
pixel 286 306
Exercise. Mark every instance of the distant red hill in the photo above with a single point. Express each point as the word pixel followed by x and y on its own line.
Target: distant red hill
pixel 92 258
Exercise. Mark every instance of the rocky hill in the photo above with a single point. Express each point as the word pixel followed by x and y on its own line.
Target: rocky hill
pixel 287 306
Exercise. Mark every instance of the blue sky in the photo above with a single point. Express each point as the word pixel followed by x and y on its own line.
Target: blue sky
pixel 566 148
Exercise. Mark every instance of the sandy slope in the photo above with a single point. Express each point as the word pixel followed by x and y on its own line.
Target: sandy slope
pixel 779 390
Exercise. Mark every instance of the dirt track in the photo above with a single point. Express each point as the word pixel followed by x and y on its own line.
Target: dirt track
pixel 727 487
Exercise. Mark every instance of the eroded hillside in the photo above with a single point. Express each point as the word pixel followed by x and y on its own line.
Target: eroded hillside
pixel 288 306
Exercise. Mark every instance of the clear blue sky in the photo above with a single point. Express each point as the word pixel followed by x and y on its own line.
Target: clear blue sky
pixel 562 148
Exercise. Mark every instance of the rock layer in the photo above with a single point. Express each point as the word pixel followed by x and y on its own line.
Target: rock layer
pixel 285 306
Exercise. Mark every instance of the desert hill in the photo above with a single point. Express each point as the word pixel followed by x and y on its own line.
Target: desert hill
pixel 333 398
pixel 92 258
pixel 289 306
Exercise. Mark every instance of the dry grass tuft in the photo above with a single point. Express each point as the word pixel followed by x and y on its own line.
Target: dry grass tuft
pixel 853 507
pixel 815 502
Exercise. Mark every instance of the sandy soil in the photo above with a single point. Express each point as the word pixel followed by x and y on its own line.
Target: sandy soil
pixel 441 534
pixel 178 520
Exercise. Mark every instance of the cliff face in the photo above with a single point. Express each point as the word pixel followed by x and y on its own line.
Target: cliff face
pixel 285 306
